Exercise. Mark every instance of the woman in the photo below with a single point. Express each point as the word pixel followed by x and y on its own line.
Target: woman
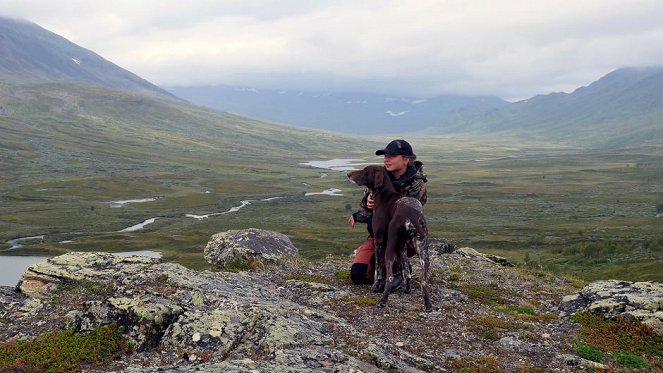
pixel 408 177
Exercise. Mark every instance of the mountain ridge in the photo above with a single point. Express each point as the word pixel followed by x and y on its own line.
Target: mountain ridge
pixel 29 51
pixel 622 107
pixel 345 112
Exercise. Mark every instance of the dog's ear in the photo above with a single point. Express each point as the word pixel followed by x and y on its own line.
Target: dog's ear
pixel 378 178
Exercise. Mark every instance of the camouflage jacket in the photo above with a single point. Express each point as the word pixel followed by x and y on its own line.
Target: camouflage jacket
pixel 411 184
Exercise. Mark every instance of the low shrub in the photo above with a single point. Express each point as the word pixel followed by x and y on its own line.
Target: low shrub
pixel 64 351
pixel 626 342
pixel 631 361
pixel 486 294
pixel 589 352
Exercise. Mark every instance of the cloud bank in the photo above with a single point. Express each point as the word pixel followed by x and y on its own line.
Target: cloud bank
pixel 512 48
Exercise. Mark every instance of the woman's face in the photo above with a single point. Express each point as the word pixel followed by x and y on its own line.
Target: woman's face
pixel 396 164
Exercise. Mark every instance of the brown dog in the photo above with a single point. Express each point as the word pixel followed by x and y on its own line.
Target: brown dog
pixel 398 221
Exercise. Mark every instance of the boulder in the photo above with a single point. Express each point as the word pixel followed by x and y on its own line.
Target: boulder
pixel 42 277
pixel 469 252
pixel 640 300
pixel 248 245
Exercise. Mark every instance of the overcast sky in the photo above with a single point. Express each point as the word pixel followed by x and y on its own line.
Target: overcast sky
pixel 514 49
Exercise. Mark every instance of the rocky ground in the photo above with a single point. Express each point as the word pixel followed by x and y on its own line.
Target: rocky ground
pixel 298 316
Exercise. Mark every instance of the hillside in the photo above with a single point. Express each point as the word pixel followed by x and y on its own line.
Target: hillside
pixel 66 111
pixel 623 107
pixel 347 112
pixel 66 128
pixel 28 51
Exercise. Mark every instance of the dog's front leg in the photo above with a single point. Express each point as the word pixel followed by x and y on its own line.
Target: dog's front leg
pixel 424 258
pixel 389 257
pixel 405 268
pixel 378 277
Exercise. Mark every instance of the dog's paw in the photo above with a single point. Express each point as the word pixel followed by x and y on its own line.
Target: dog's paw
pixel 381 305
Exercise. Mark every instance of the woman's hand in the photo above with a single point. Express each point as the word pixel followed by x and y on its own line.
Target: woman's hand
pixel 370 202
pixel 351 221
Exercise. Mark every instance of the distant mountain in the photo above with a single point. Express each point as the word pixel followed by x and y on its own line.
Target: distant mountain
pixel 625 106
pixel 349 112
pixel 30 51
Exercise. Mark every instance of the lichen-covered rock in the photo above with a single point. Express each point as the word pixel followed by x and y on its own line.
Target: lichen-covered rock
pixel 298 360
pixel 45 276
pixel 469 252
pixel 640 300
pixel 247 245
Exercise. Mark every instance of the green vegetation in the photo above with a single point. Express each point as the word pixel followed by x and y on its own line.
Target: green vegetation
pixel 64 351
pixel 621 341
pixel 490 328
pixel 238 265
pixel 343 275
pixel 483 364
pixel 362 301
pixel 86 288
pixel 307 278
pixel 518 310
pixel 486 294
pixel 589 352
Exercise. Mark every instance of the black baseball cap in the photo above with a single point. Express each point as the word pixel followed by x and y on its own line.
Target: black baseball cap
pixel 397 147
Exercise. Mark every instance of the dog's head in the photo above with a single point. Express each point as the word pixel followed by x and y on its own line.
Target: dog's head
pixel 371 177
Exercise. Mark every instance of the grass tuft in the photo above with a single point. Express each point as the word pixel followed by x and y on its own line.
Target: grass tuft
pixel 360 300
pixel 486 294
pixel 490 328
pixel 306 278
pixel 239 265
pixel 343 275
pixel 589 352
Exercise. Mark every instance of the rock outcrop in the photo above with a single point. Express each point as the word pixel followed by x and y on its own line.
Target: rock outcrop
pixel 299 317
pixel 225 317
pixel 247 245
pixel 640 300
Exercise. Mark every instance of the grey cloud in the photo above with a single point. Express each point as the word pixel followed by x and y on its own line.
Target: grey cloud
pixel 514 49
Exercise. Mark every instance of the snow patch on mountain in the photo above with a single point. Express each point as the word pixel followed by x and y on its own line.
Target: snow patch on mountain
pixel 395 114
